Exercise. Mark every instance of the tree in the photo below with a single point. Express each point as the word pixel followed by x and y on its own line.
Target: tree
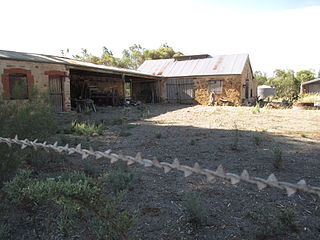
pixel 261 77
pixel 286 84
pixel 86 56
pixel 305 75
pixel 133 57
pixel 163 52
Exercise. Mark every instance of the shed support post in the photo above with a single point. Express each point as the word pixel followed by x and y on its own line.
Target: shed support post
pixel 124 86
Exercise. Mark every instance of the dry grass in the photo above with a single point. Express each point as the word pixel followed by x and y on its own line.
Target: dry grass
pixel 288 122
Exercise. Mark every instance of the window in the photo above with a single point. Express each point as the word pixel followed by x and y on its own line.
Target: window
pixel 216 86
pixel 18 86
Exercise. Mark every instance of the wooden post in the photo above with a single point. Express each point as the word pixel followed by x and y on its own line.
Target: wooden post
pixel 124 86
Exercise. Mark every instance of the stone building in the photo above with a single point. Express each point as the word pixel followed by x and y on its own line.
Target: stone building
pixel 199 78
pixel 67 80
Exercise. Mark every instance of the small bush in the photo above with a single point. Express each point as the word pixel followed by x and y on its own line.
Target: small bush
pixel 77 200
pixel 235 139
pixel 277 157
pixel 120 178
pixel 144 111
pixel 257 140
pixel 256 109
pixel 273 224
pixel 4 231
pixel 194 209
pixel 192 142
pixel 32 120
pixel 158 135
pixel 88 129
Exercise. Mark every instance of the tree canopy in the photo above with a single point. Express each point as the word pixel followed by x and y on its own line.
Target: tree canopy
pixel 286 82
pixel 131 58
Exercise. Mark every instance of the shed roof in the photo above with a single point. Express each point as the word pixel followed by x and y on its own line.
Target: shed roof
pixel 311 81
pixel 211 65
pixel 34 57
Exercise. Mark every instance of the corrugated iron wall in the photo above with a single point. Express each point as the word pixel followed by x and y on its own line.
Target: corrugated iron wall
pixel 180 90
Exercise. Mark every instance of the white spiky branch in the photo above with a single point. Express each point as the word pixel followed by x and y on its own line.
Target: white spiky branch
pixel 211 175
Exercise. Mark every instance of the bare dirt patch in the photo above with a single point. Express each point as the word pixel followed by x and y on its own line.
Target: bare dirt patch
pixel 231 136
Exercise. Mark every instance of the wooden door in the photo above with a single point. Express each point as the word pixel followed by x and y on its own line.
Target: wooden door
pixel 56 92
pixel 180 91
pixel 247 89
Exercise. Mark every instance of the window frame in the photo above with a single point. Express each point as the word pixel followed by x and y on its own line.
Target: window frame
pixel 217 90
pixel 6 81
pixel 13 79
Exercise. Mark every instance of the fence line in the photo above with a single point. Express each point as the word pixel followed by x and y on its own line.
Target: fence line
pixel 211 175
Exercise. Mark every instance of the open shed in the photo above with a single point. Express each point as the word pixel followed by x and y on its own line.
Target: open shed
pixel 312 86
pixel 67 80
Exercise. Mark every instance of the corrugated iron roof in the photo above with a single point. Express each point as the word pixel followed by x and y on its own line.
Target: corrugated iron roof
pixel 311 81
pixel 213 65
pixel 20 56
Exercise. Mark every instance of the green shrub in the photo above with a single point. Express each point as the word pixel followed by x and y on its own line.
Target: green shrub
pixel 4 231
pixel 87 128
pixel 257 140
pixel 194 209
pixel 144 111
pixel 77 200
pixel 30 119
pixel 235 138
pixel 271 224
pixel 277 157
pixel 192 142
pixel 158 135
pixel 256 109
pixel 120 178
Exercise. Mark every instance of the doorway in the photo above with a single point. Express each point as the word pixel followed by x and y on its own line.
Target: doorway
pixel 56 92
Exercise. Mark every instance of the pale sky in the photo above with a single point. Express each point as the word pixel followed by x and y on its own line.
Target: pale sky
pixel 276 33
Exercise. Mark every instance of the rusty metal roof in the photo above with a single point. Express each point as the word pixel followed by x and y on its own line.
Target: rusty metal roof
pixel 212 65
pixel 34 57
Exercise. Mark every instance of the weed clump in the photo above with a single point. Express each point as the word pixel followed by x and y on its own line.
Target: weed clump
pixel 235 139
pixel 76 200
pixel 32 120
pixel 273 224
pixel 194 209
pixel 257 140
pixel 124 123
pixel 256 109
pixel 120 179
pixel 87 128
pixel 277 157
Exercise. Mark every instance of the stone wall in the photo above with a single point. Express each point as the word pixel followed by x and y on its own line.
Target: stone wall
pixel 38 74
pixel 104 83
pixel 253 84
pixel 230 91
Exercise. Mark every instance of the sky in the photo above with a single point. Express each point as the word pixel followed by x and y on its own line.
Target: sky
pixel 276 34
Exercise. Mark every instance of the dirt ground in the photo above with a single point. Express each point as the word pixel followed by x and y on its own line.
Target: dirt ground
pixel 232 136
